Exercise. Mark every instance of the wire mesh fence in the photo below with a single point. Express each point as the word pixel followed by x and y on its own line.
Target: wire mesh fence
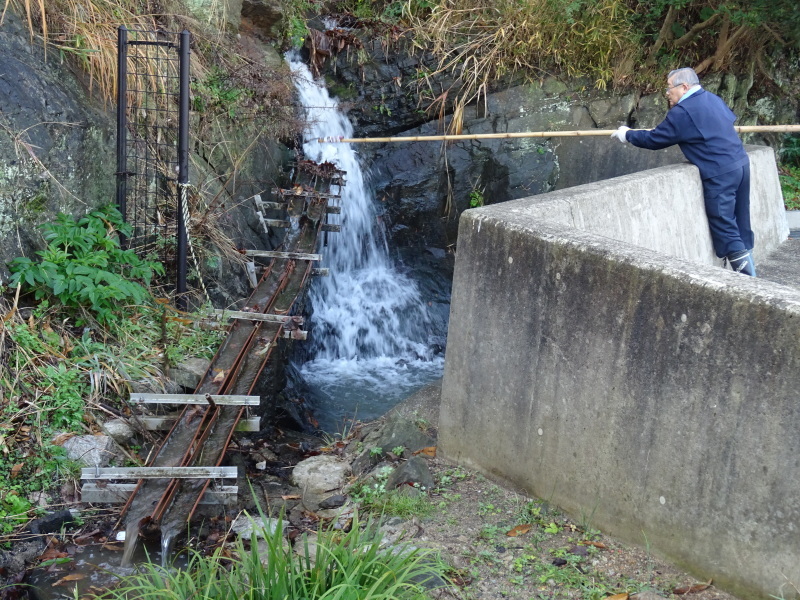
pixel 152 144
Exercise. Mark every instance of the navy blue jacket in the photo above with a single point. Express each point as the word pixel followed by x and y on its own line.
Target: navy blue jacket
pixel 702 125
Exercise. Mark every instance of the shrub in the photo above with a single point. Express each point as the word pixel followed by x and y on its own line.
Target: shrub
pixel 84 266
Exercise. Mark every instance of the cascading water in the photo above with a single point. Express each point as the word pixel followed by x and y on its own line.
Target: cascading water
pixel 371 330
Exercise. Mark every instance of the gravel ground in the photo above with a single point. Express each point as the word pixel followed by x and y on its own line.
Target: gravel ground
pixel 503 544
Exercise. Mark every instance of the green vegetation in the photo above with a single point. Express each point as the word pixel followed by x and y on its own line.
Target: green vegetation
pixel 476 198
pixel 790 186
pixel 84 266
pixel 216 92
pixel 373 497
pixel 339 566
pixel 789 169
pixel 93 330
pixel 607 42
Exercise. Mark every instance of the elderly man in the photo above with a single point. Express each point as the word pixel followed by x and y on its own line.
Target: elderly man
pixel 702 125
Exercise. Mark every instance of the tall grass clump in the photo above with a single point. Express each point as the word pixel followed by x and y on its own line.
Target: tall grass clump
pixel 482 42
pixel 338 566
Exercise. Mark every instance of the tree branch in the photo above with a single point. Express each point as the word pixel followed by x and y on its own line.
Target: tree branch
pixel 664 35
pixel 695 31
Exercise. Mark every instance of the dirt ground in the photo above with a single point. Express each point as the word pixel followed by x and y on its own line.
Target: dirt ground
pixel 503 544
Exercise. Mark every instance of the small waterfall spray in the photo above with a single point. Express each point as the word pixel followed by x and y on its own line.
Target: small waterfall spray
pixel 371 327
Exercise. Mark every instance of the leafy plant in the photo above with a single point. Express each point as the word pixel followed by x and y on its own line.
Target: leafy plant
pixel 790 186
pixel 216 93
pixel 343 566
pixel 476 198
pixel 84 266
pixel 790 153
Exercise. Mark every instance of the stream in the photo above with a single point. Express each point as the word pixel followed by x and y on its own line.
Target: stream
pixel 373 341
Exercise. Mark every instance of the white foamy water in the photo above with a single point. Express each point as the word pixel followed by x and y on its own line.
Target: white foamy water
pixel 371 329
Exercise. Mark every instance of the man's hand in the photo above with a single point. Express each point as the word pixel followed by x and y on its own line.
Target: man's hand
pixel 620 134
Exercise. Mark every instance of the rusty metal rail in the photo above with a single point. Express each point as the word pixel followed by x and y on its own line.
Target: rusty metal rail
pixel 204 432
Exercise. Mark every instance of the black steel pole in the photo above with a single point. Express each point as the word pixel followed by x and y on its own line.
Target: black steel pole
pixel 122 126
pixel 183 167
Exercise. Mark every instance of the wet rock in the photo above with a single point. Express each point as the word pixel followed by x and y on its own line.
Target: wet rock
pixel 320 474
pixel 340 516
pixel 24 553
pixel 402 432
pixel 188 372
pixel 612 111
pixel 414 471
pixel 650 111
pixel 333 501
pixel 119 430
pixel 264 15
pixel 305 546
pixel 52 522
pixel 247 526
pixel 155 385
pixel 396 530
pixel 92 450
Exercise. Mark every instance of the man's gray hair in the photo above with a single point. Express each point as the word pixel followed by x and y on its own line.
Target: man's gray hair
pixel 685 75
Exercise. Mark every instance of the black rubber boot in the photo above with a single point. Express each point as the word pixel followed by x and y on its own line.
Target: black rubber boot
pixel 742 262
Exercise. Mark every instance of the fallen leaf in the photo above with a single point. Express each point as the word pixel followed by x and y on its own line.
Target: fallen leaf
pixel 624 596
pixel 219 377
pixel 519 530
pixel 291 497
pixel 68 578
pixel 691 589
pixel 600 545
pixel 112 547
pixel 61 438
pixel 429 451
pixel 85 538
pixel 52 552
pixel 16 469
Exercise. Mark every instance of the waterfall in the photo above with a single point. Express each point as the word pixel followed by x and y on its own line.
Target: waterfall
pixel 371 328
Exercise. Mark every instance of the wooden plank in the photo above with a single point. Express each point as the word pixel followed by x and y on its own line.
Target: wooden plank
pixel 112 493
pixel 323 272
pixel 160 473
pixel 295 334
pixel 273 205
pixel 331 210
pixel 195 399
pixel 331 227
pixel 277 223
pixel 303 193
pixel 253 316
pixel 276 254
pixel 250 424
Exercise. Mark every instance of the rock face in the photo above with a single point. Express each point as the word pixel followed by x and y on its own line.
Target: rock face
pixel 422 187
pixel 56 143
pixel 58 154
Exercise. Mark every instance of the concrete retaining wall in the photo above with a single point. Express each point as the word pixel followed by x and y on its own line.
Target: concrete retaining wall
pixel 657 393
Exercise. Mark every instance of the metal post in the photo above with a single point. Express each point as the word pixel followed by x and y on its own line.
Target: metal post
pixel 122 125
pixel 183 167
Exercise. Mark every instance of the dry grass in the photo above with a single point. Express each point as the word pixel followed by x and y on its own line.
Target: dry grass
pixel 87 31
pixel 482 43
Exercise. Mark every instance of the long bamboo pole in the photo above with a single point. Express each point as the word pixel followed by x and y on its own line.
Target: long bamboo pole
pixel 531 134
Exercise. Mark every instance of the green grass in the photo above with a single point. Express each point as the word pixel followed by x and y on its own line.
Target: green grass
pixel 344 566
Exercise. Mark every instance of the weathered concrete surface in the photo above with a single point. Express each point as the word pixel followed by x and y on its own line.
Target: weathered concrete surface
pixel 663 210
pixel 657 394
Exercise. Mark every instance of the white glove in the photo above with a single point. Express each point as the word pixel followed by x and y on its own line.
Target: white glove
pixel 620 134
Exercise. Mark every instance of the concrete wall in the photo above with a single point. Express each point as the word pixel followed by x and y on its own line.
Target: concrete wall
pixel 657 393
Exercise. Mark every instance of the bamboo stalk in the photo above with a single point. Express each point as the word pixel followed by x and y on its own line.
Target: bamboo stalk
pixel 532 134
